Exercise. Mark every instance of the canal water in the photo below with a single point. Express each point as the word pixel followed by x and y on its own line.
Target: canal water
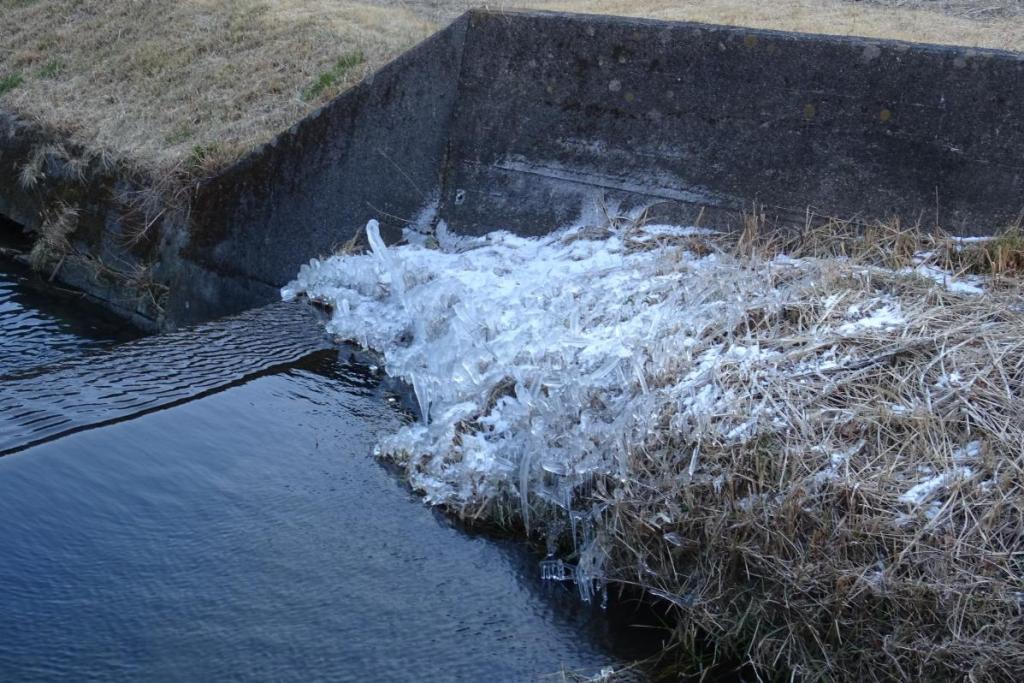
pixel 245 531
pixel 41 323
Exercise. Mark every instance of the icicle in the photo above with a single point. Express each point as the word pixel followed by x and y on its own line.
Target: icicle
pixel 524 489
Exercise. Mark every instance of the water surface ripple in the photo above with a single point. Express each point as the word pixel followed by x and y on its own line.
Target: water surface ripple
pixel 41 324
pixel 251 535
pixel 43 403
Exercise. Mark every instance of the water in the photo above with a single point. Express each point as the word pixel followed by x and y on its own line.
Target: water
pixel 44 403
pixel 40 323
pixel 179 530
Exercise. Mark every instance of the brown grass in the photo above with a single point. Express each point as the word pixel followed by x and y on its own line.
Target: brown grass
pixel 197 82
pixel 54 243
pixel 915 20
pixel 997 24
pixel 795 549
pixel 192 84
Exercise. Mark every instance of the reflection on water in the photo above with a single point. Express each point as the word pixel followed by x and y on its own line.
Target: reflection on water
pixel 41 324
pixel 251 535
pixel 45 403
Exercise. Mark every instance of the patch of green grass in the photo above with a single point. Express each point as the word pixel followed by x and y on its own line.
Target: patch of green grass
pixel 329 78
pixel 181 133
pixel 1001 255
pixel 203 153
pixel 10 82
pixel 53 68
pixel 207 159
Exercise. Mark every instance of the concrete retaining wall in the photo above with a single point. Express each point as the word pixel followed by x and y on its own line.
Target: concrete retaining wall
pixel 377 151
pixel 555 110
pixel 519 120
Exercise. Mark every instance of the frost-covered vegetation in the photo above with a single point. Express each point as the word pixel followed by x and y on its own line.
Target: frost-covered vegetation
pixel 816 457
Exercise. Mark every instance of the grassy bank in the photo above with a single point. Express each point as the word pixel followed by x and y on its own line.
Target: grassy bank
pixel 193 83
pixel 190 85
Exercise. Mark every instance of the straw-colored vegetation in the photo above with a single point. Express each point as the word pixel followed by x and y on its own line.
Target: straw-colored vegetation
pixel 870 529
pixel 998 24
pixel 874 534
pixel 919 21
pixel 194 83
pixel 188 82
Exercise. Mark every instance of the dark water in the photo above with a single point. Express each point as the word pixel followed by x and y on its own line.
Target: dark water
pixel 205 506
pixel 44 403
pixel 40 323
pixel 250 535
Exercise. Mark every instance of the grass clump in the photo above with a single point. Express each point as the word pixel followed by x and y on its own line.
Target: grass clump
pixel 869 533
pixel 53 243
pixel 330 79
pixel 53 68
pixel 997 258
pixel 1002 255
pixel 10 82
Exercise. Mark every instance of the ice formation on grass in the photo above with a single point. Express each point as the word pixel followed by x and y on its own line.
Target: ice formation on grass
pixel 541 363
pixel 541 346
pixel 968 285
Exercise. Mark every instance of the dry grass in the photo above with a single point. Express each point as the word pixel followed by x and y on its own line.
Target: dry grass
pixel 999 259
pixel 995 24
pixel 54 243
pixel 797 553
pixel 192 84
pixel 915 21
pixel 797 549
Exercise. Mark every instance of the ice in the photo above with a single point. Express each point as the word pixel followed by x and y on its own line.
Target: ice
pixel 539 363
pixel 885 317
pixel 969 285
pixel 924 490
pixel 556 570
pixel 969 451
pixel 674 538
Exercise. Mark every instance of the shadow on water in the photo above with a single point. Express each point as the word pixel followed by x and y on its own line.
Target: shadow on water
pixel 41 323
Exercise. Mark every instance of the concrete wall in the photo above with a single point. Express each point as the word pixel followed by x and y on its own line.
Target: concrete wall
pixel 556 110
pixel 377 151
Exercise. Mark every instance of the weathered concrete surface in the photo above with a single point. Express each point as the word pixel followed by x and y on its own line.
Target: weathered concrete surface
pixel 555 110
pixel 520 120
